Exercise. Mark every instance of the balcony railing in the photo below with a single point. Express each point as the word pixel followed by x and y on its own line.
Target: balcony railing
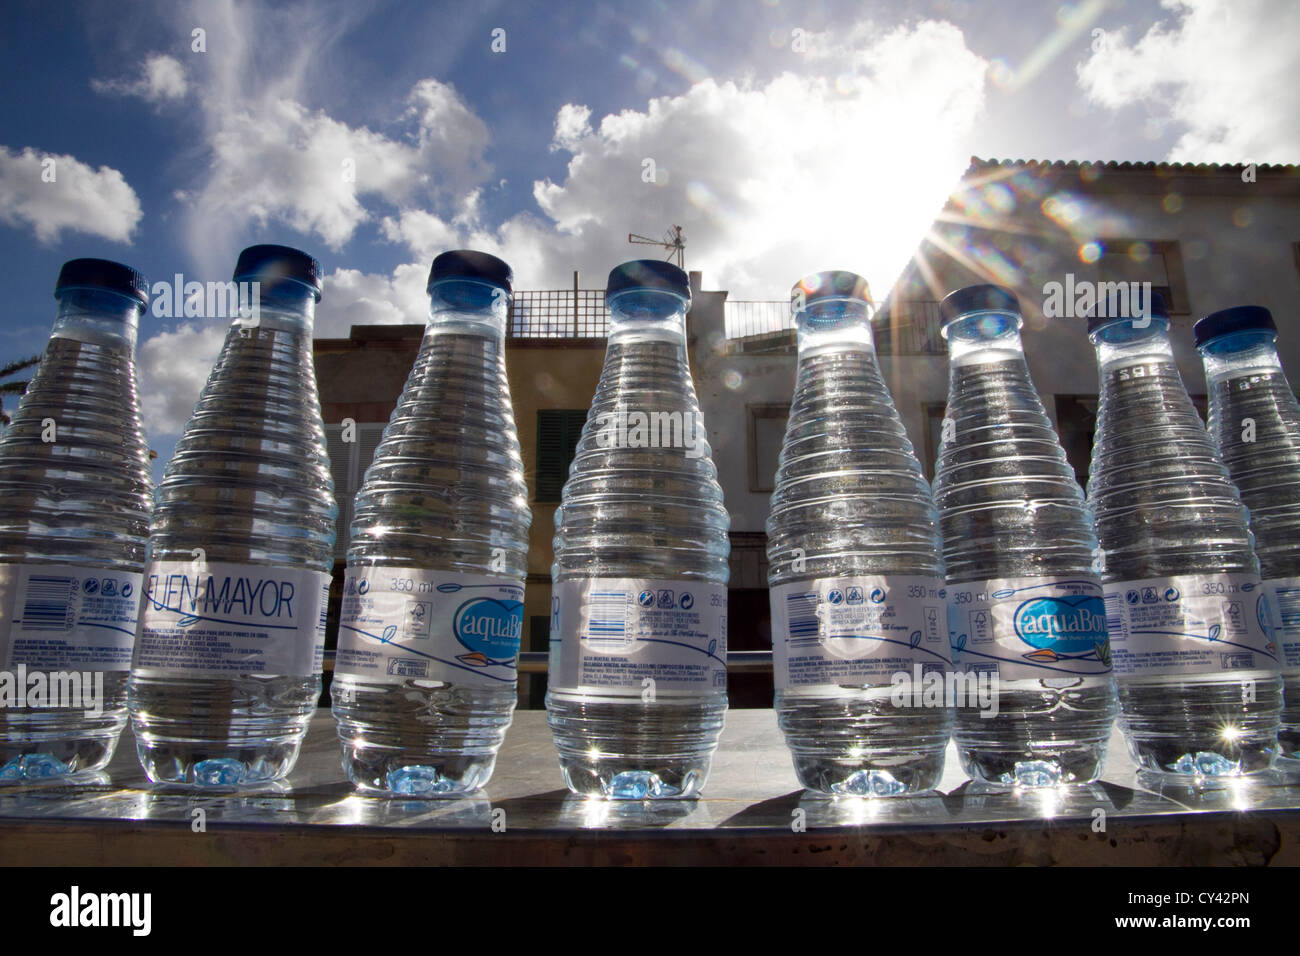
pixel 911 327
pixel 747 319
pixel 559 314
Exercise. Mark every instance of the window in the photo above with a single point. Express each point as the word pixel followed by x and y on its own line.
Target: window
pixel 558 431
pixel 1076 422
pixel 1157 262
pixel 766 427
pixel 348 463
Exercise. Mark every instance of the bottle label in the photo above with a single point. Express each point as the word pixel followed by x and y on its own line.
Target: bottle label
pixel 64 617
pixel 639 634
pixel 1189 624
pixel 1282 596
pixel 408 622
pixel 231 619
pixel 858 630
pixel 1029 628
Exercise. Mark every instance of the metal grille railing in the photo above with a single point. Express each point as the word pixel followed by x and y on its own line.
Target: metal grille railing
pixel 559 314
pixel 915 331
pixel 743 319
pixel 909 327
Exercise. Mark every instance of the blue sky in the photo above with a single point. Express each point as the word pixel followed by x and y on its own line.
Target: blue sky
pixel 784 137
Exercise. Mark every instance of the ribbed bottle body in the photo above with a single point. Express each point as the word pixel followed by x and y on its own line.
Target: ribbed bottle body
pixel 1024 599
pixel 1255 420
pixel 641 548
pixel 242 544
pixel 75 501
pixel 439 542
pixel 856 579
pixel 1198 692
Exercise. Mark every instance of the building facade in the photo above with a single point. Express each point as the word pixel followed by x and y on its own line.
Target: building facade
pixel 1206 237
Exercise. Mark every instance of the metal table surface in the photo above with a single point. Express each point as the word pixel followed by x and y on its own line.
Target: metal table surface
pixel 753 811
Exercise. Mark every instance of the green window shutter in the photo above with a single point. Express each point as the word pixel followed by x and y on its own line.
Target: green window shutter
pixel 558 431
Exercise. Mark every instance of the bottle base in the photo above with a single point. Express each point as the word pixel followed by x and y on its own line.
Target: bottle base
pixel 388 775
pixel 1201 728
pixel 220 732
pixel 208 765
pixel 1039 734
pixel 1021 770
pixel 623 748
pixel 30 767
pixel 419 738
pixel 626 779
pixel 856 741
pixel 39 744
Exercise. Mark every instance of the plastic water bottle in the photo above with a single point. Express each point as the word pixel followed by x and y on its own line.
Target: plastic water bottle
pixel 1025 608
pixel 74 524
pixel 637 684
pixel 855 566
pixel 1255 421
pixel 1199 689
pixel 425 682
pixel 227 664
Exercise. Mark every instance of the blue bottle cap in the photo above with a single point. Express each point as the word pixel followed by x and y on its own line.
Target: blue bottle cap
pixel 268 263
pixel 1241 318
pixel 835 284
pixel 648 274
pixel 1158 310
pixel 469 264
pixel 102 274
pixel 977 298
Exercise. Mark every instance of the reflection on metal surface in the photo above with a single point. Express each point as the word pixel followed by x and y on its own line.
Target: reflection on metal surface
pixel 752 788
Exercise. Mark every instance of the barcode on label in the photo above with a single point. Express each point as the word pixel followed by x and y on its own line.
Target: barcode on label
pixel 801 612
pixel 324 609
pixel 607 615
pixel 1288 607
pixel 48 603
pixel 1114 616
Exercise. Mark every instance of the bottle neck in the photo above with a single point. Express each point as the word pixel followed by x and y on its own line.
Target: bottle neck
pixel 645 315
pixel 1240 353
pixel 468 307
pixel 834 324
pixel 980 338
pixel 1121 343
pixel 283 304
pixel 98 317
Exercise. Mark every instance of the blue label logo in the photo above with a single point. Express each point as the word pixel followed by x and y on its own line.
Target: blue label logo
pixel 490 628
pixel 1066 625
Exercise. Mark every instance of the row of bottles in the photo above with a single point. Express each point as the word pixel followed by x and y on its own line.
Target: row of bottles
pixel 1000 608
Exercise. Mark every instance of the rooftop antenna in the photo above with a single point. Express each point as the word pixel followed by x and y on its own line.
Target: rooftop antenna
pixel 673 241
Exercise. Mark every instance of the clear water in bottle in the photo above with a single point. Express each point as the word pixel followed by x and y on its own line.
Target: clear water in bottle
pixel 1255 422
pixel 855 566
pixel 637 682
pixel 1199 691
pixel 75 499
pixel 425 678
pixel 1024 598
pixel 226 673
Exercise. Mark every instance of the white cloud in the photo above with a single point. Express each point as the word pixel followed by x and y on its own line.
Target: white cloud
pixel 162 77
pixel 572 123
pixel 1225 73
pixel 276 161
pixel 53 192
pixel 350 297
pixel 173 368
pixel 423 233
pixel 842 166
